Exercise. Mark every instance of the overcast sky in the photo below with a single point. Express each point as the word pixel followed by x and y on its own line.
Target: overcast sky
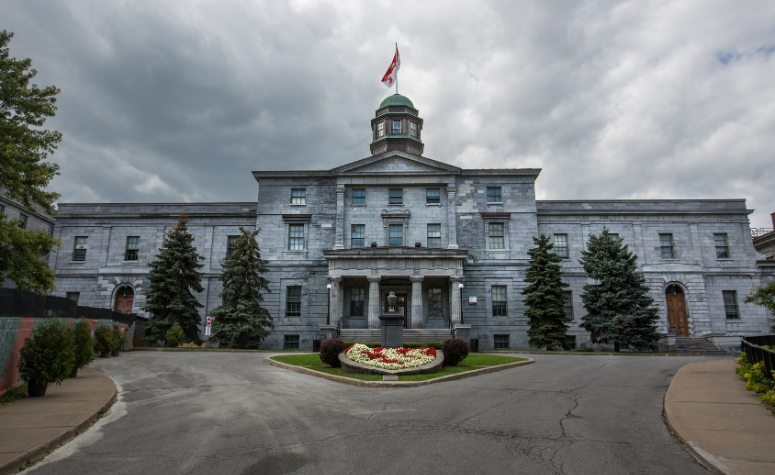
pixel 180 100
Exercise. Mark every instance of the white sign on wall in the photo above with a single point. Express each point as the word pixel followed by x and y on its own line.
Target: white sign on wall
pixel 471 300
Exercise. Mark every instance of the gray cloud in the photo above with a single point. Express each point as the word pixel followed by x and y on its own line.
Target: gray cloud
pixel 179 101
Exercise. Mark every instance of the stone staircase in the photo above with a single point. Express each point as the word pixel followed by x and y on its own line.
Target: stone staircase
pixel 410 335
pixel 697 345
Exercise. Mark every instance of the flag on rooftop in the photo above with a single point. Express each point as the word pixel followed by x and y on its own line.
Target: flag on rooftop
pixel 391 76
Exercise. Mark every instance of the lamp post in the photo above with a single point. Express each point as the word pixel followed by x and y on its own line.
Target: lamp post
pixel 460 286
pixel 328 311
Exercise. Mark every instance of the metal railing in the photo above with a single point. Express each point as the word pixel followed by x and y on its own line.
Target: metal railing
pixel 756 232
pixel 752 345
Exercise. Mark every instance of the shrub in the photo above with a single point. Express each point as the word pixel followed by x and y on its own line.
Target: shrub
pixel 455 351
pixel 47 357
pixel 329 352
pixel 348 344
pixel 755 379
pixel 83 343
pixel 119 338
pixel 103 339
pixel 430 344
pixel 175 336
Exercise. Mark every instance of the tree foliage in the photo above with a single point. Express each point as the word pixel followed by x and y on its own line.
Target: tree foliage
pixel 544 298
pixel 620 308
pixel 173 276
pixel 48 355
pixel 23 174
pixel 240 318
pixel 764 296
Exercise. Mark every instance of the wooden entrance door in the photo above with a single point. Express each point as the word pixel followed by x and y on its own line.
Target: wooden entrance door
pixel 676 315
pixel 124 300
pixel 400 305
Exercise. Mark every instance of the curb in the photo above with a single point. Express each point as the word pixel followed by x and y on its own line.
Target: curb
pixel 395 384
pixel 37 453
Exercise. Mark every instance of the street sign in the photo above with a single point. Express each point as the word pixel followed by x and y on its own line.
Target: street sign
pixel 209 321
pixel 207 330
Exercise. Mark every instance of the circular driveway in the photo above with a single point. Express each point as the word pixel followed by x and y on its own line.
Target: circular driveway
pixel 216 412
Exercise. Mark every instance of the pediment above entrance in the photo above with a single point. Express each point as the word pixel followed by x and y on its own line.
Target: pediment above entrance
pixel 396 162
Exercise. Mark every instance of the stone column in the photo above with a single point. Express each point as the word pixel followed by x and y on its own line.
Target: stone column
pixel 451 220
pixel 333 296
pixel 374 304
pixel 340 190
pixel 416 302
pixel 454 282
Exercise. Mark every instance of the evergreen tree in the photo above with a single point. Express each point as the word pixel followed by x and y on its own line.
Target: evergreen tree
pixel 544 297
pixel 620 308
pixel 174 275
pixel 240 318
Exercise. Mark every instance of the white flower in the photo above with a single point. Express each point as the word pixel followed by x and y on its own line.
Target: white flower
pixel 389 358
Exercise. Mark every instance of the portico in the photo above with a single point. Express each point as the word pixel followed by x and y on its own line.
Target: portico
pixel 426 281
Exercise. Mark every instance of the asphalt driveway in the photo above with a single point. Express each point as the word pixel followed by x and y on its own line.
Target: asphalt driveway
pixel 212 412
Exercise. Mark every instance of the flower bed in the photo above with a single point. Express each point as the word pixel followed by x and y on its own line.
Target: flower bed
pixel 390 358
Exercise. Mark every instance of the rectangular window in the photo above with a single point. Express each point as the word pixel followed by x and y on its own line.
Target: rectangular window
pixel 74 296
pixel 432 195
pixel 79 248
pixel 568 306
pixel 571 339
pixel 2 209
pixel 231 244
pixel 434 303
pixel 23 221
pixel 396 235
pixel 413 129
pixel 496 236
pixel 356 301
pixel 666 246
pixel 500 304
pixel 293 301
pixel 132 246
pixel 434 235
pixel 501 342
pixel 730 304
pixel 396 196
pixel 561 245
pixel 299 196
pixel 296 237
pixel 722 245
pixel 494 194
pixel 290 342
pixel 614 236
pixel 357 236
pixel 396 127
pixel 359 197
pixel 381 129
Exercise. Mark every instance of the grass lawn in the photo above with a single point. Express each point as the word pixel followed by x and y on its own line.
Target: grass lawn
pixel 474 361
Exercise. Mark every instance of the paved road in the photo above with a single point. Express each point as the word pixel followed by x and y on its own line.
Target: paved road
pixel 203 413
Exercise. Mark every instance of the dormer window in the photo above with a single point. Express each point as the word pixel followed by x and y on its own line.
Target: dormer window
pixel 413 129
pixel 396 127
pixel 381 129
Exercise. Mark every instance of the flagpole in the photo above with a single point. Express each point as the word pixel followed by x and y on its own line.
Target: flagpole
pixel 396 67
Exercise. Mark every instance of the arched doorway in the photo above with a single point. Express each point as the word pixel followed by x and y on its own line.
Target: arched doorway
pixel 676 311
pixel 124 299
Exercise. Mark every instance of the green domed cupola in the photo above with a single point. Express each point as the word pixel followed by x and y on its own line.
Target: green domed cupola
pixel 396 126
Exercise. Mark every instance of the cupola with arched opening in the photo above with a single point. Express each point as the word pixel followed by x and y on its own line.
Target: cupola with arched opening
pixel 396 126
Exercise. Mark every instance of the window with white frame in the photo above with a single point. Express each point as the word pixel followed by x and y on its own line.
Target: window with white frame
pixel 500 303
pixel 132 247
pixel 496 236
pixel 299 196
pixel 413 129
pixel 722 245
pixel 381 129
pixel 434 235
pixel 356 301
pixel 357 236
pixel 293 301
pixel 396 127
pixel 396 235
pixel 296 237
pixel 666 246
pixel 434 302
pixel 561 245
pixel 79 248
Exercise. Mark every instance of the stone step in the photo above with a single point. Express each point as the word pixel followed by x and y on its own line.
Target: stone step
pixel 410 335
pixel 697 345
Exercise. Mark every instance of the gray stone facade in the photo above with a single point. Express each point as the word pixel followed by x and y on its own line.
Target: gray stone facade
pixel 448 226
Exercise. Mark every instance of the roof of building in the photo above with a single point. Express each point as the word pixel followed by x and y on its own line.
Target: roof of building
pixel 396 100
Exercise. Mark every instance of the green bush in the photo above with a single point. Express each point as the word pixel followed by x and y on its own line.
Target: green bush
pixel 103 339
pixel 47 356
pixel 430 344
pixel 455 350
pixel 119 338
pixel 329 351
pixel 83 343
pixel 372 344
pixel 175 336
pixel 755 379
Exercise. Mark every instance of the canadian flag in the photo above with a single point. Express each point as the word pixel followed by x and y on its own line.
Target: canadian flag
pixel 392 73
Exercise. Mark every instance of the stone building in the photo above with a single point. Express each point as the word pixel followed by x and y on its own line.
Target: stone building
pixel 451 243
pixel 764 240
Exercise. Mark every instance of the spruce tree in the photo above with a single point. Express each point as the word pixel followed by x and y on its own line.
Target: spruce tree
pixel 174 275
pixel 240 318
pixel 544 297
pixel 620 307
